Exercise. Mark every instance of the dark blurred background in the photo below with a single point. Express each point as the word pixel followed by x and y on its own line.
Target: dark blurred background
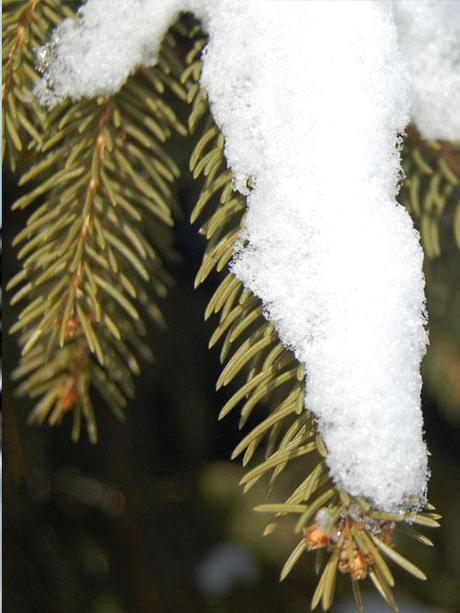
pixel 152 518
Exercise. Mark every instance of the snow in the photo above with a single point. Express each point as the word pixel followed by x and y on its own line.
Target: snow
pixel 311 97
pixel 80 55
pixel 335 260
pixel 95 55
pixel 429 34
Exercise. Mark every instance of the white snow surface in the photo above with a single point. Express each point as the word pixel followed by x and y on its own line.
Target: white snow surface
pixel 429 34
pixel 311 98
pixel 95 55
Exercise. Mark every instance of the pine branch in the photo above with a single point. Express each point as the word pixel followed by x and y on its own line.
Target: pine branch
pixel 357 538
pixel 431 190
pixel 92 269
pixel 94 248
pixel 26 26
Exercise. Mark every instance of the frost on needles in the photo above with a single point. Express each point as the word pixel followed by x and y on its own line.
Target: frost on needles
pixel 312 98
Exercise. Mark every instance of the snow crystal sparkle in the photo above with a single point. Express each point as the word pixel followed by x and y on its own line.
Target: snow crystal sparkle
pixel 312 98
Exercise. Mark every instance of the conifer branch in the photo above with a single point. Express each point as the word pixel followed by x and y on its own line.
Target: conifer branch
pixel 26 26
pixel 95 247
pixel 431 190
pixel 93 267
pixel 357 538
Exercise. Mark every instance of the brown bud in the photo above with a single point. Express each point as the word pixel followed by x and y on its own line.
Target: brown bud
pixel 315 537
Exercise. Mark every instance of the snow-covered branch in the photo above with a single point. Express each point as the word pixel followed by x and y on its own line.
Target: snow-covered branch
pixel 312 98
